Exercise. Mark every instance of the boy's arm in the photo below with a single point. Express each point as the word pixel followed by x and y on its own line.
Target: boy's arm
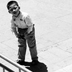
pixel 29 23
pixel 14 29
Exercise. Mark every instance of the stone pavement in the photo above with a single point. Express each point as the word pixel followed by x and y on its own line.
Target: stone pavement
pixel 53 23
pixel 65 69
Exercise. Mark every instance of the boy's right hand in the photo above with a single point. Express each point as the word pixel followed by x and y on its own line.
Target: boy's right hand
pixel 17 35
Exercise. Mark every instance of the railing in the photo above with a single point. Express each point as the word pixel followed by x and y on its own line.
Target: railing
pixel 21 68
pixel 6 68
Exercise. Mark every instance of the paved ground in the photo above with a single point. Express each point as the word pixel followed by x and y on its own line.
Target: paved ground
pixel 53 22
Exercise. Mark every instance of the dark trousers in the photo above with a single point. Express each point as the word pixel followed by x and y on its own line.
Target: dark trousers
pixel 24 38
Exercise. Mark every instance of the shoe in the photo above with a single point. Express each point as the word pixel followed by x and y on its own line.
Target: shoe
pixel 21 62
pixel 34 62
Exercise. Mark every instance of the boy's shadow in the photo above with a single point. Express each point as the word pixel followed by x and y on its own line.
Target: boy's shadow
pixel 40 67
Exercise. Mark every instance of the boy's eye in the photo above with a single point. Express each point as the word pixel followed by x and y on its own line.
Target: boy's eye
pixel 14 8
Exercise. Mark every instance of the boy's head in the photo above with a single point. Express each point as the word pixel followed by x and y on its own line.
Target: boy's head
pixel 13 7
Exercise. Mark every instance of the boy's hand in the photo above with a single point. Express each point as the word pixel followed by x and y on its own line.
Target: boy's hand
pixel 29 31
pixel 30 28
pixel 17 35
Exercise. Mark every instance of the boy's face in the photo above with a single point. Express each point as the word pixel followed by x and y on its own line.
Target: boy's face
pixel 14 9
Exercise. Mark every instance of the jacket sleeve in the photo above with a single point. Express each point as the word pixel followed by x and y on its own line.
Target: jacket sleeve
pixel 29 23
pixel 14 28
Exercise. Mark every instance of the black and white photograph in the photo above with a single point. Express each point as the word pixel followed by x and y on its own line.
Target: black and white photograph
pixel 36 36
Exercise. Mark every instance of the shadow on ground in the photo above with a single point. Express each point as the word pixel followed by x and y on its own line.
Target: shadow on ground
pixel 40 67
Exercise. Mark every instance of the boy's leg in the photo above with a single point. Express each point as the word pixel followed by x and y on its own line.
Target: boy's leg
pixel 32 45
pixel 22 48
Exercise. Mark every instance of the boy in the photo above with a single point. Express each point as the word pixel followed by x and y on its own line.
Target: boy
pixel 24 30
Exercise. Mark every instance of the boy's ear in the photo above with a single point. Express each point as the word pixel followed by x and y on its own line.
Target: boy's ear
pixel 8 11
pixel 19 7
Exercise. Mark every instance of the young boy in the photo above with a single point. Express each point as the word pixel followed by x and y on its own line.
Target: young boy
pixel 24 30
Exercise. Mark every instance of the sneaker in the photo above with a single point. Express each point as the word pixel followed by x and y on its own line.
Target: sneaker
pixel 21 62
pixel 34 62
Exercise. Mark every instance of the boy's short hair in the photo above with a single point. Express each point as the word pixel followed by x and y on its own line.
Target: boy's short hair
pixel 11 2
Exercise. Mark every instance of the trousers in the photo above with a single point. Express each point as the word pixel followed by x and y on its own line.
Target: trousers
pixel 25 39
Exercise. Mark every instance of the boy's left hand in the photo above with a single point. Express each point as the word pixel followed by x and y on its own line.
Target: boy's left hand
pixel 29 32
pixel 29 29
